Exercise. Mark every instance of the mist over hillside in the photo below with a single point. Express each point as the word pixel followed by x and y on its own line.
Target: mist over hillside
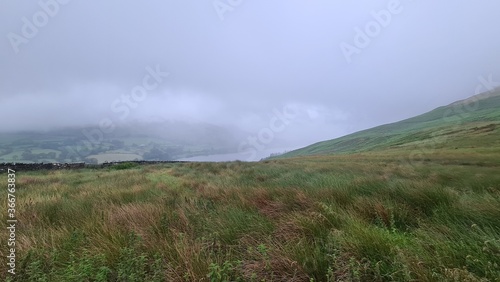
pixel 301 73
pixel 154 140
pixel 474 118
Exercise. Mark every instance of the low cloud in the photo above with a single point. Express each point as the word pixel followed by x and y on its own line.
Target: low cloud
pixel 237 71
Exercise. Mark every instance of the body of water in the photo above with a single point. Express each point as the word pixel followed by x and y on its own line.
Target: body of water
pixel 245 156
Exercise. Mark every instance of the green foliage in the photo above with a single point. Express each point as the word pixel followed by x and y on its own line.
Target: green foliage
pixel 226 272
pixel 35 272
pixel 126 165
pixel 131 265
pixel 86 267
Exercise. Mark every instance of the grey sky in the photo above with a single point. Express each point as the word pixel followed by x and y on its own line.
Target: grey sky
pixel 237 67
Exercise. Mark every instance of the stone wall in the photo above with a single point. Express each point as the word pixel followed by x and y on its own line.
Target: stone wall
pixel 54 166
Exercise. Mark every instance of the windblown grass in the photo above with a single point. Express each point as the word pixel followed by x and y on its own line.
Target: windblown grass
pixel 364 217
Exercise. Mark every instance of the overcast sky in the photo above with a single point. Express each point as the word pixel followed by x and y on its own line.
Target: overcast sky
pixel 326 67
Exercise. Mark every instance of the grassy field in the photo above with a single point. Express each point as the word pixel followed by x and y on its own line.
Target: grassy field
pixel 379 216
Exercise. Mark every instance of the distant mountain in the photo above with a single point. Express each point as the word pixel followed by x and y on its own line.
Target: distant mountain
pixel 155 140
pixel 469 122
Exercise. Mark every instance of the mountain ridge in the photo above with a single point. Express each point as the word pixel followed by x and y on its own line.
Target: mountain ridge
pixel 475 110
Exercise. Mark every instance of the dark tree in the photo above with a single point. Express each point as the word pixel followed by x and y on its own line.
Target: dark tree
pixel 156 154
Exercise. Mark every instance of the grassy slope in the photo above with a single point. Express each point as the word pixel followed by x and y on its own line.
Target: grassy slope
pixel 455 120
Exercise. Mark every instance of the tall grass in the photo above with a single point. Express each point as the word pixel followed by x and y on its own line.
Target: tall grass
pixel 338 218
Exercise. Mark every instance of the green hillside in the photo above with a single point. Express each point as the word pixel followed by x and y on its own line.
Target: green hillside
pixel 459 124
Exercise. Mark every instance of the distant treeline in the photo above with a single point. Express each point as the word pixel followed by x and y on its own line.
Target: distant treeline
pixel 54 166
